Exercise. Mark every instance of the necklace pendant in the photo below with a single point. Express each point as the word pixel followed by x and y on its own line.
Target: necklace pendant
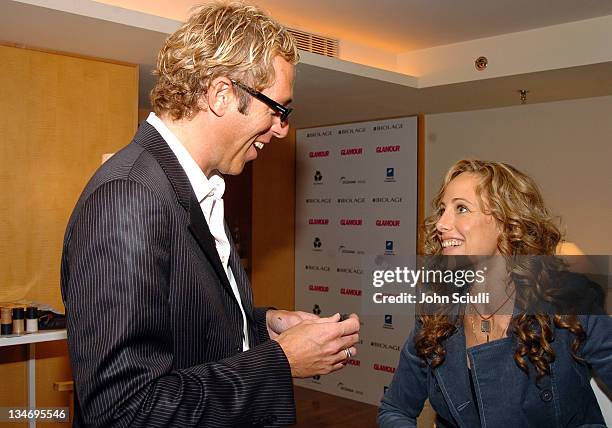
pixel 485 326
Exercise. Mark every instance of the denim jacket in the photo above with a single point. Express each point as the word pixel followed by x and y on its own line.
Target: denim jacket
pixel 506 395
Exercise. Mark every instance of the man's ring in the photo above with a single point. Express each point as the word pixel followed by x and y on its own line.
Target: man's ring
pixel 348 353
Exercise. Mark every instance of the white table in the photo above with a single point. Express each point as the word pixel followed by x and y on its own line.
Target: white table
pixel 31 339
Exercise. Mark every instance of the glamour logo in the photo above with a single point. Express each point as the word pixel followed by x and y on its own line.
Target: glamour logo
pixel 350 292
pixel 318 201
pixel 383 368
pixel 387 149
pixel 351 131
pixel 318 134
pixel 318 221
pixel 353 362
pixel 349 270
pixel 388 127
pixel 387 223
pixel 318 287
pixel 352 151
pixel 387 199
pixel 351 222
pixel 319 154
pixel 351 200
pixel 316 267
pixel 384 346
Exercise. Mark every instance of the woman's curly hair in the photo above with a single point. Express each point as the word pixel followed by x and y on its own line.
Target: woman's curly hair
pixel 234 40
pixel 515 202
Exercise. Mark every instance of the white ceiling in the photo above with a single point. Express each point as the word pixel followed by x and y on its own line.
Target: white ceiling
pixel 323 96
pixel 404 25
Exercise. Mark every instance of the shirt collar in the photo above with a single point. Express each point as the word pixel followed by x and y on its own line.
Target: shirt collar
pixel 203 186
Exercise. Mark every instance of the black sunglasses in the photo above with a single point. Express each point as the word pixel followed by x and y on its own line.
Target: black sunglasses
pixel 280 109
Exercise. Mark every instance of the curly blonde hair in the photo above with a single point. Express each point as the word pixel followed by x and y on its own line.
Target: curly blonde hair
pixel 515 202
pixel 219 39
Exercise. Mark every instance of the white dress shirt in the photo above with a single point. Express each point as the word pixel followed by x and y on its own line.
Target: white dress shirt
pixel 209 193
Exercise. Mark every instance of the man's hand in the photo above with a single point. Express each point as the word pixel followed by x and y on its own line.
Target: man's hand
pixel 317 346
pixel 279 321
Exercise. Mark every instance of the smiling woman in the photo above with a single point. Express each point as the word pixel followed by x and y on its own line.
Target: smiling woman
pixel 501 374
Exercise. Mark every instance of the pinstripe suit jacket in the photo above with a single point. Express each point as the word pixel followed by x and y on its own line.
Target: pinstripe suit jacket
pixel 154 330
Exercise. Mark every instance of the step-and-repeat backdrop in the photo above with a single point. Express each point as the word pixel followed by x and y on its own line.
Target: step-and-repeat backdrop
pixel 356 207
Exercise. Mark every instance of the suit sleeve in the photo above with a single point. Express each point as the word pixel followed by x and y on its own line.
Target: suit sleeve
pixel 405 397
pixel 597 347
pixel 115 283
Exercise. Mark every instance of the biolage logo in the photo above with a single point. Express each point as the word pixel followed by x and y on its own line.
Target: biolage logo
pixel 348 180
pixel 387 149
pixel 390 175
pixel 351 222
pixel 389 248
pixel 350 292
pixel 318 134
pixel 381 345
pixel 318 288
pixel 317 178
pixel 320 221
pixel 384 368
pixel 353 271
pixel 387 223
pixel 387 199
pixel 388 127
pixel 319 154
pixel 351 200
pixel 316 309
pixel 345 250
pixel 320 268
pixel 351 131
pixel 353 151
pixel 388 321
pixel 317 244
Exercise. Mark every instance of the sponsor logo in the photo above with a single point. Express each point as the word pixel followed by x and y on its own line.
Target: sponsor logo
pixel 344 250
pixel 351 222
pixel 388 321
pixel 385 390
pixel 318 201
pixel 353 151
pixel 350 292
pixel 316 244
pixel 384 346
pixel 387 149
pixel 318 221
pixel 387 200
pixel 387 223
pixel 389 248
pixel 347 180
pixel 319 154
pixel 318 134
pixel 316 309
pixel 388 127
pixel 318 287
pixel 390 175
pixel 316 379
pixel 351 131
pixel 316 267
pixel 353 362
pixel 349 270
pixel 341 386
pixel 351 200
pixel 384 368
pixel 318 178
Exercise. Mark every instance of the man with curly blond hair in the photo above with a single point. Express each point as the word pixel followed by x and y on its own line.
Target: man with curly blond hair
pixel 161 325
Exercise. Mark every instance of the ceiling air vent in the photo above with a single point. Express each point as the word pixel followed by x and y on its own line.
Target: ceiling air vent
pixel 316 44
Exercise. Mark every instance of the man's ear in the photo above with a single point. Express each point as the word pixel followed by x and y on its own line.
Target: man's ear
pixel 219 96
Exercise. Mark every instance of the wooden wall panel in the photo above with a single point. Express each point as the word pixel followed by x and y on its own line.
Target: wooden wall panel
pixel 58 115
pixel 273 227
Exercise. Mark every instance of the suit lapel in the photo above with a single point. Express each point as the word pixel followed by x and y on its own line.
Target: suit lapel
pixel 148 137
